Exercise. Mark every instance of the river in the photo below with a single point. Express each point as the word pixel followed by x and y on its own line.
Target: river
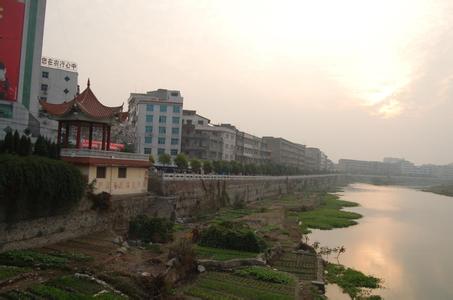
pixel 404 237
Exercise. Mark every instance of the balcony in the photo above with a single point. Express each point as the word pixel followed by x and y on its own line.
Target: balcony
pixel 102 157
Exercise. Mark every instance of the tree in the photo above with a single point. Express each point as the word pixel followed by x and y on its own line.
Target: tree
pixel 16 142
pixel 195 164
pixel 181 161
pixel 151 159
pixel 8 144
pixel 41 147
pixel 165 159
pixel 236 167
pixel 24 146
pixel 207 167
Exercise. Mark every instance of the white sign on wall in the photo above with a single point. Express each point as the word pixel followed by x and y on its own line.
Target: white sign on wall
pixel 58 64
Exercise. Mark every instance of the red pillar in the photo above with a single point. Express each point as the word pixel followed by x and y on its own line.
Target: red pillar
pixel 90 141
pixel 103 137
pixel 78 136
pixel 59 133
pixel 108 138
pixel 66 138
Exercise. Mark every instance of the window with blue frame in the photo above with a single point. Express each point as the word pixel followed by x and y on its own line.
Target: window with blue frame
pixel 162 119
pixel 148 139
pixel 174 141
pixel 163 108
pixel 175 120
pixel 147 150
pixel 176 108
pixel 161 141
pixel 160 151
pixel 149 107
pixel 162 130
pixel 149 118
pixel 175 130
pixel 174 151
pixel 148 128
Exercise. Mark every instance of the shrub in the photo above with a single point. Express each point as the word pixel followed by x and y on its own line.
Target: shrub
pixel 32 187
pixel 151 229
pixel 229 235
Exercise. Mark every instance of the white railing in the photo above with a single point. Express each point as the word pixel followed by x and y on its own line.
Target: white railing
pixel 183 176
pixel 73 152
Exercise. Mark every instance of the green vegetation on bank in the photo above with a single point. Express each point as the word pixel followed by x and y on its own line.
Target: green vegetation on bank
pixel 7 272
pixel 444 189
pixel 33 187
pixel 265 274
pixel 222 254
pixel 31 258
pixel 151 229
pixel 329 215
pixel 354 283
pixel 218 285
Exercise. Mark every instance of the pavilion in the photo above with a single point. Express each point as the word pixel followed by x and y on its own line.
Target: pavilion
pixel 84 134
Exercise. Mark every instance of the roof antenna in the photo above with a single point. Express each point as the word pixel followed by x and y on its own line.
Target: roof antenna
pixel 88 83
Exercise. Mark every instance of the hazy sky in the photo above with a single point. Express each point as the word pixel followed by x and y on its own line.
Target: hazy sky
pixel 359 79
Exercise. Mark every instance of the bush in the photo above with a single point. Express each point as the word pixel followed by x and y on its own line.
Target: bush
pixel 229 235
pixel 151 229
pixel 33 187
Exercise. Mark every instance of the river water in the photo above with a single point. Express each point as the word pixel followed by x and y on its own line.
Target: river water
pixel 405 237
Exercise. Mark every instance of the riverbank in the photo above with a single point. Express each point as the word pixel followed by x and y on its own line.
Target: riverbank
pixel 444 189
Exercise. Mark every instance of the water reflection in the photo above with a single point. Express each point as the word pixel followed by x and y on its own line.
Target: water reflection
pixel 403 238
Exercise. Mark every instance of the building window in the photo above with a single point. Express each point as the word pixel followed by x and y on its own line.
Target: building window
pixel 43 98
pixel 6 111
pixel 148 128
pixel 149 118
pixel 101 172
pixel 175 130
pixel 175 120
pixel 67 78
pixel 162 130
pixel 44 87
pixel 122 172
pixel 160 151
pixel 147 151
pixel 163 108
pixel 189 122
pixel 148 139
pixel 174 151
pixel 149 107
pixel 174 94
pixel 174 141
pixel 66 91
pixel 200 122
pixel 176 108
pixel 45 74
pixel 161 141
pixel 162 119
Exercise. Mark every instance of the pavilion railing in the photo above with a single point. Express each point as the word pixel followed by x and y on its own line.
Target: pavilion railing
pixel 74 152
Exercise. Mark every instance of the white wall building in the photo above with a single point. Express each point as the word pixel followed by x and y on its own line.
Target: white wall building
pixel 19 113
pixel 156 119
pixel 59 83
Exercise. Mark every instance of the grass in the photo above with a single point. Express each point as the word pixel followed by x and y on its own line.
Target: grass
pixel 352 282
pixel 30 258
pixel 265 274
pixel 230 214
pixel 222 254
pixel 217 285
pixel 329 215
pixel 7 272
pixel 444 189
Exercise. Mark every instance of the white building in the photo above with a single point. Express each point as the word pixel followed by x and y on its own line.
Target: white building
pixel 156 119
pixel 59 83
pixel 25 27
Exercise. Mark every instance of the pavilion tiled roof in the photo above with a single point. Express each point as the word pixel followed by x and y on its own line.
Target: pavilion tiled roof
pixel 85 102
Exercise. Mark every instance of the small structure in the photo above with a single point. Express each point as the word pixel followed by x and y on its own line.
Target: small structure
pixel 83 121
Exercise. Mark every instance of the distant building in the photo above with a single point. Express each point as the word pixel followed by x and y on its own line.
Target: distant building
pixel 202 140
pixel 313 159
pixel 284 152
pixel 59 83
pixel 156 119
pixel 367 167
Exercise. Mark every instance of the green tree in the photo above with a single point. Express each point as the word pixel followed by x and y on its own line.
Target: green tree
pixel 151 159
pixel 207 167
pixel 165 159
pixel 8 143
pixel 181 161
pixel 24 146
pixel 41 148
pixel 195 164
pixel 16 142
pixel 236 167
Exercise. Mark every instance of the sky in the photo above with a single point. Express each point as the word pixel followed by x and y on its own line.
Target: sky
pixel 359 79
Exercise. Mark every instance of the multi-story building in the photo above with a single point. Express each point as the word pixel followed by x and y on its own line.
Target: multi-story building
pixel 368 167
pixel 156 119
pixel 21 37
pixel 202 140
pixel 251 149
pixel 284 152
pixel 59 83
pixel 312 159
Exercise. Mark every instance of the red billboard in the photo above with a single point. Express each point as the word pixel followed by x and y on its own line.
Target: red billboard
pixel 11 26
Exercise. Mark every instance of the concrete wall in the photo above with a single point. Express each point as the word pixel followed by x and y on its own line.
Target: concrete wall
pixel 136 180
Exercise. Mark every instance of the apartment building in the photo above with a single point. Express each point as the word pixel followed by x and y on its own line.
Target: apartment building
pixel 156 120
pixel 284 152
